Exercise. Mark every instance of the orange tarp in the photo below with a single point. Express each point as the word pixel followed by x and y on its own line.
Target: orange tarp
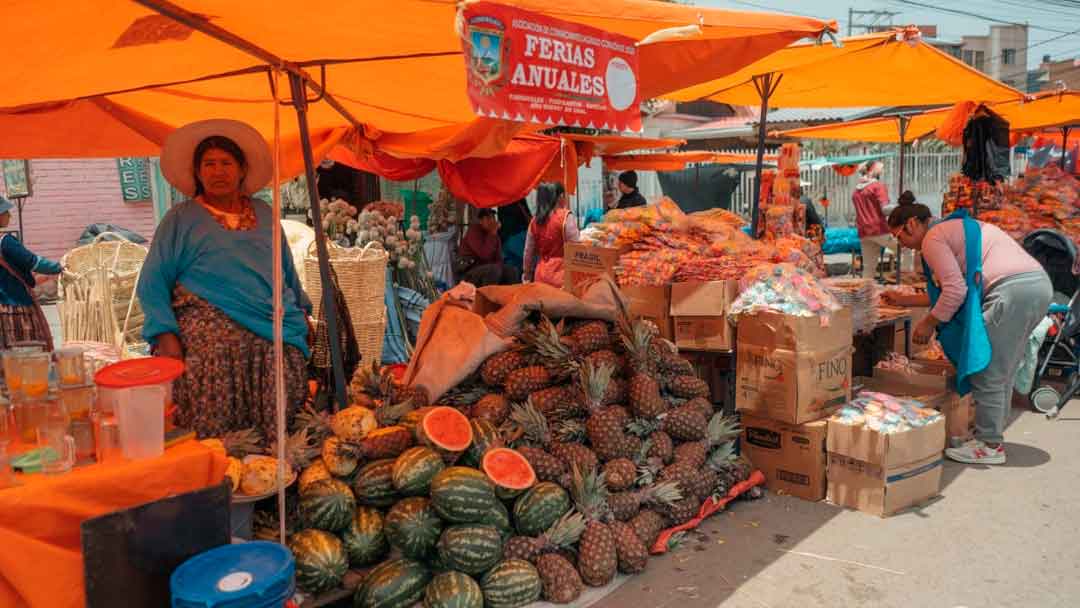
pixel 883 69
pixel 1046 111
pixel 40 537
pixel 402 76
pixel 675 161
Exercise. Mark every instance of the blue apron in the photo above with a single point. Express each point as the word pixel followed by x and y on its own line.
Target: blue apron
pixel 964 338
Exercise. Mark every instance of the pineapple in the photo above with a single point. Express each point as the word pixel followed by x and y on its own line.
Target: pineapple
pixel 632 552
pixel 340 457
pixel 616 392
pixel 386 442
pixel 555 352
pixel 719 430
pixel 598 556
pixel 668 359
pixel 607 356
pixel 593 382
pixel 562 534
pixel 492 407
pixel 605 431
pixel 689 386
pixel 353 423
pixel 555 400
pixel 315 421
pixel 389 415
pixel 643 391
pixel 620 474
pixel 702 404
pixel 683 474
pixel 546 466
pixel 235 472
pixel 521 383
pixel 497 367
pixel 316 472
pixel 729 469
pixel 300 450
pixel 684 511
pixel 591 336
pixel 685 423
pixel 648 525
pixel 537 431
pixel 661 446
pixel 625 506
pixel 236 444
pixel 561 582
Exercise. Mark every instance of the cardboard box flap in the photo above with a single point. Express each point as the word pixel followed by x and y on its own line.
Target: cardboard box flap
pixel 898 449
pixel 775 330
pixel 925 379
pixel 706 299
pixel 648 302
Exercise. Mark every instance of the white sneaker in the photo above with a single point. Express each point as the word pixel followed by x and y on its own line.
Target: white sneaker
pixel 977 452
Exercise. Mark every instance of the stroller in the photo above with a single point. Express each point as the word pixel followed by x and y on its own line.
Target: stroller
pixel 1059 357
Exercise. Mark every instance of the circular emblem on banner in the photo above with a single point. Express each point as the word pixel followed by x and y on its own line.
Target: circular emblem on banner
pixel 621 84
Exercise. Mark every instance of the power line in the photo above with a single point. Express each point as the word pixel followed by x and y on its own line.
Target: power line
pixel 975 15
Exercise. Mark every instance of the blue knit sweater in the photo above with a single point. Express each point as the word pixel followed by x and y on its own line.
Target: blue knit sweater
pixel 230 269
pixel 24 262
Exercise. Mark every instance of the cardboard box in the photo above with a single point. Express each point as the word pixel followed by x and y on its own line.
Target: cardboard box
pixel 654 304
pixel 959 411
pixel 582 261
pixel 926 379
pixel 700 314
pixel 794 387
pixel 883 474
pixel 791 456
pixel 799 334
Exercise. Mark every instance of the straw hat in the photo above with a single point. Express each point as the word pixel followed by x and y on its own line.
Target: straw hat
pixel 177 155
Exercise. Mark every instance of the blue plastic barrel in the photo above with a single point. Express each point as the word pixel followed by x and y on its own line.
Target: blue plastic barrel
pixel 248 575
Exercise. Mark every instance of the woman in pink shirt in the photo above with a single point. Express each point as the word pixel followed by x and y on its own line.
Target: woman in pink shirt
pixel 983 318
pixel 870 199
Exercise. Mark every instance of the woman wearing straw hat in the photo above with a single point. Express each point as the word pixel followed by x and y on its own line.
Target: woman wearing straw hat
pixel 21 317
pixel 206 285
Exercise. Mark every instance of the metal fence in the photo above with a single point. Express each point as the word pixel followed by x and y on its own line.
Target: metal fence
pixel 926 174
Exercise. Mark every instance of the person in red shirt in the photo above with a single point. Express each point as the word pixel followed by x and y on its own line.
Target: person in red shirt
pixel 481 254
pixel 870 200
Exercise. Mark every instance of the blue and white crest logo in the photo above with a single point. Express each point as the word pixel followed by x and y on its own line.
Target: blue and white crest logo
pixel 487 46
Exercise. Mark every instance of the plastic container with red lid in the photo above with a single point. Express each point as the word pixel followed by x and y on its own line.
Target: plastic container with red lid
pixel 134 373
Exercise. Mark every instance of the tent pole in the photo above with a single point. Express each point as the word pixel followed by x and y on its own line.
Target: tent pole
pixel 1065 149
pixel 765 86
pixel 329 308
pixel 903 126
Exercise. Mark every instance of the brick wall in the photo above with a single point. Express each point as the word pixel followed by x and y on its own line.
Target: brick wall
pixel 70 194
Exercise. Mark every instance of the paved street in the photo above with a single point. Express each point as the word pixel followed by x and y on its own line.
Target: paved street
pixel 1001 537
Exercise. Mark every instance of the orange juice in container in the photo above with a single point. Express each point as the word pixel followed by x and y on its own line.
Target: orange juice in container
pixel 71 366
pixel 78 400
pixel 35 374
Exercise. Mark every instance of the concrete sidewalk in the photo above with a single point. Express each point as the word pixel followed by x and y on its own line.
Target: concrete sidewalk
pixel 998 536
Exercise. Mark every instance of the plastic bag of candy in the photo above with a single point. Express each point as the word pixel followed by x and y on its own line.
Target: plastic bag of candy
pixel 786 289
pixel 884 413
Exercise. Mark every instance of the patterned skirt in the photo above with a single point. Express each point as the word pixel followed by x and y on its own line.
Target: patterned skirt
pixel 229 381
pixel 23 324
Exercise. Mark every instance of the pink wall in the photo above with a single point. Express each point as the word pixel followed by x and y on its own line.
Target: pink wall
pixel 68 195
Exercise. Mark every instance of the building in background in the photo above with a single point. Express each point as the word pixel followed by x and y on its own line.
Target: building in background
pixel 1052 75
pixel 1001 54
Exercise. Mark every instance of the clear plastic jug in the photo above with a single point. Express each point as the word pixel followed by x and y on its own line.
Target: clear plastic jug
pixel 140 411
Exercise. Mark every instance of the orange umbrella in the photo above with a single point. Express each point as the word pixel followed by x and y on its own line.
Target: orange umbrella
pixel 674 161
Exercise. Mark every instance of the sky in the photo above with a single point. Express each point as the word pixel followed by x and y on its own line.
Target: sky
pixel 1054 25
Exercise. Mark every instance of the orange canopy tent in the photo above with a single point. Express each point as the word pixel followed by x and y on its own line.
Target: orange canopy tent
pixel 893 68
pixel 674 161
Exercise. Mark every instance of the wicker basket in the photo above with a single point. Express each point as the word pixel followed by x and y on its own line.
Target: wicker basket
pixel 361 275
pixel 97 293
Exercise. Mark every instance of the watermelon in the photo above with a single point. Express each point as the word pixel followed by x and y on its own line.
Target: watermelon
pixel 485 436
pixel 511 584
pixel 414 469
pixel 413 418
pixel 413 527
pixel 540 507
pixel 398 583
pixel 470 548
pixel 320 560
pixel 499 517
pixel 374 484
pixel 328 504
pixel 365 538
pixel 462 495
pixel 453 590
pixel 508 470
pixel 445 430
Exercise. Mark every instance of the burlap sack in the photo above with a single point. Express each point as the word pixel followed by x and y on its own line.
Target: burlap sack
pixel 454 339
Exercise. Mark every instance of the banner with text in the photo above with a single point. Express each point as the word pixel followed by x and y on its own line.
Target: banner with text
pixel 529 67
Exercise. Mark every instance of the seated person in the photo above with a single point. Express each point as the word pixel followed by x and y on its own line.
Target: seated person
pixel 480 257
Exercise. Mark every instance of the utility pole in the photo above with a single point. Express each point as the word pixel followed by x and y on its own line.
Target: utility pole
pixel 869 21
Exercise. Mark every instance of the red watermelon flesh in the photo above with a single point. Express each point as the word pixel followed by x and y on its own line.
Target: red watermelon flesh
pixel 509 469
pixel 448 429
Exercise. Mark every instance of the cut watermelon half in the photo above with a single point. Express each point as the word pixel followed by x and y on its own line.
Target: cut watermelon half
pixel 507 468
pixel 447 428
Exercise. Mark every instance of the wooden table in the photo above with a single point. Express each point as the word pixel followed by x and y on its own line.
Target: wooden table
pixel 40 518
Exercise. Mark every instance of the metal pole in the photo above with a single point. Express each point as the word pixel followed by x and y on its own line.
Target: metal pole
pixel 765 86
pixel 1065 150
pixel 903 126
pixel 329 308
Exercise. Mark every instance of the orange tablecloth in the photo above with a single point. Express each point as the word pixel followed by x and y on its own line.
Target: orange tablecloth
pixel 40 543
